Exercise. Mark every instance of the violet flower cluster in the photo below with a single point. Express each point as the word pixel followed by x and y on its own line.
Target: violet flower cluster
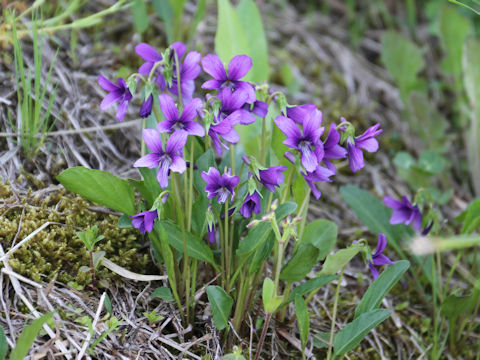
pixel 230 102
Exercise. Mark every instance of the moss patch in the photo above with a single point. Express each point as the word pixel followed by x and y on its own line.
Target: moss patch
pixel 57 250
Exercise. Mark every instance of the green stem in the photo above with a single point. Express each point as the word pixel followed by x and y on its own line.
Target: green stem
pixel 227 249
pixel 179 82
pixel 190 189
pixel 287 186
pixel 263 148
pixel 335 305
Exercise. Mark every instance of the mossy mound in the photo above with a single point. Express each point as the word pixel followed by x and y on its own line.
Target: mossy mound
pixel 57 250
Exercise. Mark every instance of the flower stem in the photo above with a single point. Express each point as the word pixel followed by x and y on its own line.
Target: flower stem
pixel 287 186
pixel 264 333
pixel 335 305
pixel 179 82
pixel 227 249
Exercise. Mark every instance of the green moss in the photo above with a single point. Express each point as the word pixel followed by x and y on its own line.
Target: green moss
pixel 57 250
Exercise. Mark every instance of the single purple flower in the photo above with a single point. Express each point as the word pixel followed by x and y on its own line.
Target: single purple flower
pixel 251 203
pixel 331 148
pixel 367 142
pixel 404 212
pixel 221 185
pixel 144 221
pixel 170 159
pixel 146 108
pixel 118 92
pixel 308 143
pixel 378 258
pixel 189 69
pixel 319 174
pixel 184 122
pixel 211 233
pixel 271 177
pixel 238 67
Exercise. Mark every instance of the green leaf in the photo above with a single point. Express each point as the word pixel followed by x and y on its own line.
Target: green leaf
pixel 259 234
pixel 165 13
pixel 381 286
pixel 376 216
pixel 268 290
pixel 230 39
pixel 251 21
pixel 197 17
pixel 124 222
pixel 303 319
pixel 221 304
pixel 3 344
pixel 322 234
pixel 108 304
pixel 151 183
pixel 261 255
pixel 454 306
pixel 471 217
pixel 204 162
pixel 454 29
pixel 177 6
pixel 100 187
pixel 27 337
pixel 300 264
pixel 311 286
pixel 163 293
pixel 430 162
pixel 351 335
pixel 403 60
pixel 196 248
pixel 337 261
pixel 159 239
pixel 471 78
pixel 140 16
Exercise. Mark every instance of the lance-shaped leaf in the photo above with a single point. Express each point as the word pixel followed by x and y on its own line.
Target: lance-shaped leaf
pixel 351 335
pixel 303 320
pixel 302 261
pixel 380 287
pixel 100 187
pixel 337 261
pixel 221 304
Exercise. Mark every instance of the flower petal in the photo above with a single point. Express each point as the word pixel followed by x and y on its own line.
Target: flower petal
pixel 239 66
pixel 195 129
pixel 392 203
pixel 149 161
pixel 288 127
pixel 147 53
pixel 176 142
pixel 110 99
pixel 213 66
pixel 179 48
pixel 355 158
pixel 168 107
pixel 153 140
pixel 122 110
pixel 165 126
pixel 370 145
pixel 212 84
pixel 178 164
pixel 190 67
pixel 106 84
pixel 381 244
pixel 190 111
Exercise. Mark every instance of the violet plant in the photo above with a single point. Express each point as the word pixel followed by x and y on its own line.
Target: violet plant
pixel 214 212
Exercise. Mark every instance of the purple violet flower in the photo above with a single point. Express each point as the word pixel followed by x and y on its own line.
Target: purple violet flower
pixel 184 122
pixel 189 70
pixel 404 212
pixel 251 204
pixel 211 233
pixel 319 174
pixel 238 67
pixel 378 258
pixel 118 92
pixel 170 159
pixel 367 142
pixel 144 221
pixel 221 185
pixel 308 143
pixel 146 108
pixel 331 148
pixel 271 177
